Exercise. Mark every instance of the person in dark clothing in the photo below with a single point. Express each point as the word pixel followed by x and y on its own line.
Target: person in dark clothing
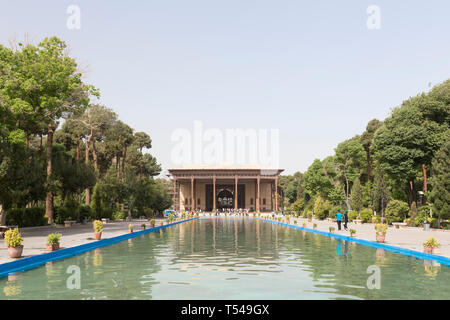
pixel 345 220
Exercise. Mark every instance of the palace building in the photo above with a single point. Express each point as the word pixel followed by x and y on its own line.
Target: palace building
pixel 208 188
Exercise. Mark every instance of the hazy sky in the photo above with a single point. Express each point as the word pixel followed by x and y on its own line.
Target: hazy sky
pixel 311 69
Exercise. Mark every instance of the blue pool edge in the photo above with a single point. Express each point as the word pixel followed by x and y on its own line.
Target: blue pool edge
pixel 408 252
pixel 32 262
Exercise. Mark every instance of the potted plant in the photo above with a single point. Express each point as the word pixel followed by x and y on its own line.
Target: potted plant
pixel 332 229
pixel 98 229
pixel 143 226
pixel 304 224
pixel 431 246
pixel 162 222
pixel 381 232
pixel 315 226
pixel 130 228
pixel 352 232
pixel 14 241
pixel 53 242
pixel 152 223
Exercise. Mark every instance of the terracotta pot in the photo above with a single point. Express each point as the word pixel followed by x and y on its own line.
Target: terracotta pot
pixel 381 238
pixel 98 235
pixel 153 225
pixel 427 249
pixel 52 247
pixel 15 252
pixel 331 231
pixel 436 250
pixel 309 220
pixel 352 235
pixel 130 230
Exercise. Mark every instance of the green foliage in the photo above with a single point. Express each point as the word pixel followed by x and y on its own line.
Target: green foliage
pixel 61 215
pixel 366 215
pixel 54 238
pixel 298 205
pixel 13 238
pixel 353 215
pixel 98 226
pixel 440 195
pixel 118 215
pixel 352 231
pixel 97 207
pixel 321 208
pixel 431 242
pixel 422 215
pixel 396 211
pixel 356 200
pixel 381 229
pixel 84 212
pixel 27 217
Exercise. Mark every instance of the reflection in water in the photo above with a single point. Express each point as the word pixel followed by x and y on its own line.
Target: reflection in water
pixel 232 258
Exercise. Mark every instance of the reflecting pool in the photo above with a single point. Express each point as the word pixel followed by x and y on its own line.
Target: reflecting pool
pixel 232 258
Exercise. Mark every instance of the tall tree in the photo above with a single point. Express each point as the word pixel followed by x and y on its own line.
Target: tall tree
pixel 45 81
pixel 367 140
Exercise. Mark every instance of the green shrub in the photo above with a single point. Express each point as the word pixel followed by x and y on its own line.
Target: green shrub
pixel 98 226
pixel 53 238
pixel 118 215
pixel 84 212
pixel 27 217
pixel 431 242
pixel 61 214
pixel 422 214
pixel 366 215
pixel 397 211
pixel 352 215
pixel 13 238
pixel 381 229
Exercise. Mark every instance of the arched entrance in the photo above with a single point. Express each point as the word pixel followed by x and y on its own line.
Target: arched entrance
pixel 225 199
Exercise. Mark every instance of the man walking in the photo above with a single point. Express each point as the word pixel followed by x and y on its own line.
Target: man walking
pixel 345 220
pixel 339 219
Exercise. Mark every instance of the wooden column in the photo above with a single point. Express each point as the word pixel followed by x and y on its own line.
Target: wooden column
pixel 258 192
pixel 214 193
pixel 276 194
pixel 175 194
pixel 192 193
pixel 235 192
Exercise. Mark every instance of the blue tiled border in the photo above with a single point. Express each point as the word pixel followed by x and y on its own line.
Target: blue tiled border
pixel 41 259
pixel 406 252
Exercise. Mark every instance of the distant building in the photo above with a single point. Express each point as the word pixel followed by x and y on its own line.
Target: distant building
pixel 225 187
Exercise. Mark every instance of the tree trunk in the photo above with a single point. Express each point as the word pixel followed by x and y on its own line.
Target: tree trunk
pixel 78 150
pixel 88 192
pixel 425 183
pixel 411 192
pixel 118 166
pixel 368 166
pixel 94 154
pixel 123 161
pixel 2 216
pixel 49 199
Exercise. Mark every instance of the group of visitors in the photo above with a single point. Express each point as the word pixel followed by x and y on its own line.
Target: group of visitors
pixel 342 218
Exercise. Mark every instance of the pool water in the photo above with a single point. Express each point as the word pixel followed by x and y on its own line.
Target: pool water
pixel 233 258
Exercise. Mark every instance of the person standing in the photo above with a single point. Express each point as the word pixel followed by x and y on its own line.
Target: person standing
pixel 339 219
pixel 345 220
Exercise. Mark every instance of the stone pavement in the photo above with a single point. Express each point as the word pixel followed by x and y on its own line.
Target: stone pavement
pixel 408 238
pixel 35 239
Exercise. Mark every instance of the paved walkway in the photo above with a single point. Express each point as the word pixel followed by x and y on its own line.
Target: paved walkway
pixel 408 238
pixel 35 239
